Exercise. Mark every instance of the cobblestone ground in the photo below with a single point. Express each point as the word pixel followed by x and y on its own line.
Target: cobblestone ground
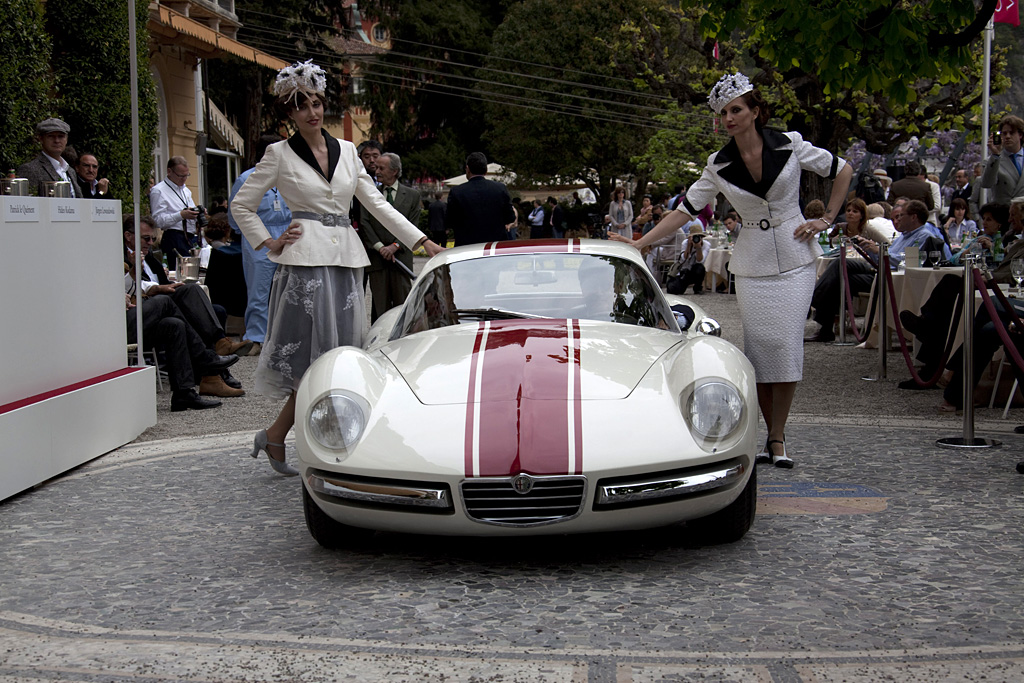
pixel 880 557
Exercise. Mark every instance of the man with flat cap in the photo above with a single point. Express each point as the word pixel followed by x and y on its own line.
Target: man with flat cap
pixel 50 165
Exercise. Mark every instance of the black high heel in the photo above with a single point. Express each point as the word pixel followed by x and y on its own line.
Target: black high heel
pixel 765 456
pixel 783 461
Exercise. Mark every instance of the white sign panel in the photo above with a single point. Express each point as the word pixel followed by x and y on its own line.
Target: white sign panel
pixel 66 210
pixel 21 209
pixel 105 211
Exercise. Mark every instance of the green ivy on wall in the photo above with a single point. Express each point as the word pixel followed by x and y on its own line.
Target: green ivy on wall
pixel 91 70
pixel 25 81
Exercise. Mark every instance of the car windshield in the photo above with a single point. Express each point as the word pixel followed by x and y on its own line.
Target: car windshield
pixel 585 286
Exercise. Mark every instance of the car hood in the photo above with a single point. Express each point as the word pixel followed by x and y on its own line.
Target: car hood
pixel 533 360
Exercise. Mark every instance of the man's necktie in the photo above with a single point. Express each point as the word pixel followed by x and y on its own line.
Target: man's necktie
pixel 391 196
pixel 1017 160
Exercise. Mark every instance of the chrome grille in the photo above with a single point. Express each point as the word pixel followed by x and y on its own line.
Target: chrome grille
pixel 551 500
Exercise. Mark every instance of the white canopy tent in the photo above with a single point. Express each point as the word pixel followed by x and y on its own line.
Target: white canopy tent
pixel 494 172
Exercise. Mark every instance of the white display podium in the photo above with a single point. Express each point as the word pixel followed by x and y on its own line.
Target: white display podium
pixel 66 393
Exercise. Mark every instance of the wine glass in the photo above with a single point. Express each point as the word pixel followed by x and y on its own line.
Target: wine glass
pixel 1017 271
pixel 935 257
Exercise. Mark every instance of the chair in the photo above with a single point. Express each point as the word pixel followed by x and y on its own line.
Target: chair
pixel 1003 361
pixel 152 355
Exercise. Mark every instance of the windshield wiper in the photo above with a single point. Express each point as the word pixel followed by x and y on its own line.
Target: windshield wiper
pixel 492 314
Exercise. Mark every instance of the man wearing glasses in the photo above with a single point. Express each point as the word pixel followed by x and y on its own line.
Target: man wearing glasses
pixel 171 205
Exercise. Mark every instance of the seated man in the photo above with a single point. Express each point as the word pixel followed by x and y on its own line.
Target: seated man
pixel 185 354
pixel 911 220
pixel 89 186
pixel 931 327
pixel 190 300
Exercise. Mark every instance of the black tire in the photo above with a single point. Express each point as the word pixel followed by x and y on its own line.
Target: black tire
pixel 732 522
pixel 326 531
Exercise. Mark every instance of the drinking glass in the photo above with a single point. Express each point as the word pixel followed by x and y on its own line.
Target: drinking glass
pixel 935 257
pixel 1017 270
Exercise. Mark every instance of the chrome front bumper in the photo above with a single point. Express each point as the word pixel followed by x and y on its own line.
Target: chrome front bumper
pixel 626 492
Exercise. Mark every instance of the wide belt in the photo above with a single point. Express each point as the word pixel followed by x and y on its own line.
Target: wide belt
pixel 328 219
pixel 769 222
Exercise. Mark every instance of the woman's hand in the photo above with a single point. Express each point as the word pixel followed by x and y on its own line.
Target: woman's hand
pixel 808 231
pixel 431 247
pixel 289 236
pixel 616 237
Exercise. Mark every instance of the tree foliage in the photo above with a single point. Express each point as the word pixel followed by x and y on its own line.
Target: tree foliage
pixel 25 81
pixel 572 112
pixel 879 71
pixel 91 68
pixel 293 30
pixel 420 91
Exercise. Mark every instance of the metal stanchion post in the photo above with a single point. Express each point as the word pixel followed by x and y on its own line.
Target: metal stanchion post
pixel 968 440
pixel 883 301
pixel 842 341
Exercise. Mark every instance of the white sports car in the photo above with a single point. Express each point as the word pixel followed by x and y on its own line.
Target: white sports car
pixel 541 387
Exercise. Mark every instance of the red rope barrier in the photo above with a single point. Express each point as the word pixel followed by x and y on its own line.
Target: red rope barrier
pixel 857 334
pixel 1004 336
pixel 950 338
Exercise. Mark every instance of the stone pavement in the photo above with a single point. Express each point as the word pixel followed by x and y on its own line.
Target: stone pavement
pixel 880 557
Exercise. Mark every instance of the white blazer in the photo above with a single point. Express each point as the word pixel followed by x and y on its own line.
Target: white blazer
pixel 303 189
pixel 770 209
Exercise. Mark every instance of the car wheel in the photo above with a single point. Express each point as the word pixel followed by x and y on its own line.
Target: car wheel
pixel 328 532
pixel 732 522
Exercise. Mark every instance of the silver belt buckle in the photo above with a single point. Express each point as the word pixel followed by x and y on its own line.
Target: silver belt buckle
pixel 329 219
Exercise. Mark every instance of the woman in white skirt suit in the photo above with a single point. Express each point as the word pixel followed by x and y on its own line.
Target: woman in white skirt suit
pixel 773 260
pixel 316 300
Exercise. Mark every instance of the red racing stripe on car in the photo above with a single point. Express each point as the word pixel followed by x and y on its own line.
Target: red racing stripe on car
pixel 577 399
pixel 534 246
pixel 471 400
pixel 527 411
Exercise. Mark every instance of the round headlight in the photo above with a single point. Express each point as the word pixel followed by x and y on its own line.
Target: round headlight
pixel 714 410
pixel 337 421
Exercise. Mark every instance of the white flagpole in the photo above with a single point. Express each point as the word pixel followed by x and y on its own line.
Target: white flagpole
pixel 986 87
pixel 136 204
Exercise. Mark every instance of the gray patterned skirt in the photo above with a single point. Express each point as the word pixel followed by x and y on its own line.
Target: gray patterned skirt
pixel 312 310
pixel 773 310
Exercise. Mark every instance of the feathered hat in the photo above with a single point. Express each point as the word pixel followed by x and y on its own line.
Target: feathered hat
pixel 728 88
pixel 301 77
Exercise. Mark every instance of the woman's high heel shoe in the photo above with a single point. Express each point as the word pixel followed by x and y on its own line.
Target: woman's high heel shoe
pixel 260 443
pixel 764 456
pixel 783 461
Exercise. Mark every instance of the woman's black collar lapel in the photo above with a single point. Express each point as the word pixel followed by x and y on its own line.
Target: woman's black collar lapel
pixel 773 159
pixel 301 147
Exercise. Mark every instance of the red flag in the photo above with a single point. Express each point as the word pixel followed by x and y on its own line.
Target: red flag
pixel 1007 13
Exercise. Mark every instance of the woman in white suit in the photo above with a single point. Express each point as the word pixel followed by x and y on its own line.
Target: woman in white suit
pixel 773 259
pixel 316 302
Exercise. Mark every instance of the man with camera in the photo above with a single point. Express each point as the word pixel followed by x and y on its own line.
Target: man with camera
pixel 175 212
pixel 1003 172
pixel 690 270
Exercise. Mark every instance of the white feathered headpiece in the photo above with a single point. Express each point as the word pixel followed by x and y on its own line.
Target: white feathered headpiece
pixel 728 88
pixel 301 77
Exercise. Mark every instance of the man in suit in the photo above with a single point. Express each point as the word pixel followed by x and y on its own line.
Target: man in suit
pixel 192 302
pixel 49 164
pixel 435 215
pixel 555 218
pixel 89 187
pixel 1003 171
pixel 963 187
pixel 479 209
pixel 389 284
pixel 912 186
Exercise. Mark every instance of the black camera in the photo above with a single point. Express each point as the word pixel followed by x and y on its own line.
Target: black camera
pixel 697 239
pixel 997 138
pixel 201 219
